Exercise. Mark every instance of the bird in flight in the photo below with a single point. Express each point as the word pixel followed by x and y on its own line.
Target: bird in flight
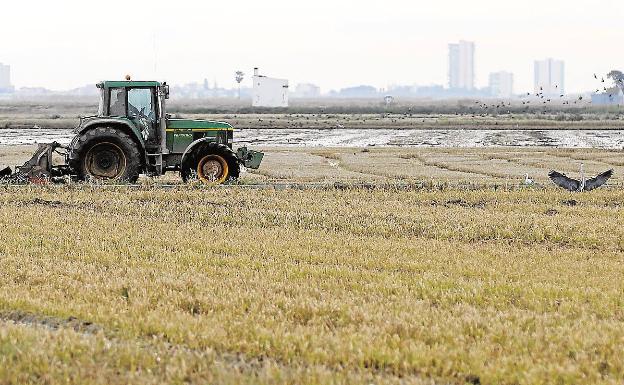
pixel 570 184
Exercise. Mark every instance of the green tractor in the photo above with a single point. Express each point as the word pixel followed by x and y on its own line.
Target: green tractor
pixel 132 134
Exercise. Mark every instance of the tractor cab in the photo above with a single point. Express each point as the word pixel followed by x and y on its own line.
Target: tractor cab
pixel 141 102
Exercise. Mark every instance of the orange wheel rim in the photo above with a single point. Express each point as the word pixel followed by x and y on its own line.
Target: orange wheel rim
pixel 212 169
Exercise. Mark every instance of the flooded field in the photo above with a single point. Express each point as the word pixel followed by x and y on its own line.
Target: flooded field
pixel 607 139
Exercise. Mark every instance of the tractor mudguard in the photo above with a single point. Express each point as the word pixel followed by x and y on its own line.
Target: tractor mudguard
pixel 192 146
pixel 249 158
pixel 92 122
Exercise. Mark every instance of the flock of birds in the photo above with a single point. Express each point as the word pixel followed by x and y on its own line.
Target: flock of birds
pixel 541 99
pixel 558 178
pixel 538 99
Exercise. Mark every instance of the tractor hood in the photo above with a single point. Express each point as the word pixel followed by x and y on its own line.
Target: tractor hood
pixel 188 124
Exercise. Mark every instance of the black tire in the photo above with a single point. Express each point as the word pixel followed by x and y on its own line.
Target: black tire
pixel 189 168
pixel 105 153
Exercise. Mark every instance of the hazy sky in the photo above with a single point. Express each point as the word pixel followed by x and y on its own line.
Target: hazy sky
pixel 63 44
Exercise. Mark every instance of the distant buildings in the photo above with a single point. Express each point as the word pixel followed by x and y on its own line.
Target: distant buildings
pixel 613 96
pixel 501 84
pixel 269 92
pixel 307 90
pixel 549 77
pixel 358 92
pixel 5 79
pixel 461 66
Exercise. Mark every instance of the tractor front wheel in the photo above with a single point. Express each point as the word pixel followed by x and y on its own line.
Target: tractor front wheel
pixel 211 163
pixel 212 168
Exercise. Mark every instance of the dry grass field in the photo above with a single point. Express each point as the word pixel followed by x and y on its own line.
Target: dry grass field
pixel 121 285
pixel 469 279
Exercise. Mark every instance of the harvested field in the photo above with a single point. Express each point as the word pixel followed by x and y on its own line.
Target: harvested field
pixel 383 265
pixel 456 166
pixel 231 285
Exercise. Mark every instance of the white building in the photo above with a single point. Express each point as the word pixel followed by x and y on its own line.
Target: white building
pixel 269 92
pixel 612 96
pixel 5 78
pixel 501 84
pixel 461 65
pixel 307 90
pixel 549 77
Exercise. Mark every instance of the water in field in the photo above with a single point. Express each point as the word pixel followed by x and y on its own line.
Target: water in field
pixel 11 136
pixel 610 139
pixel 434 138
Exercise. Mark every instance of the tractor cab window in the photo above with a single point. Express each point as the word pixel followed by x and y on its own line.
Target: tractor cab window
pixel 141 104
pixel 117 102
pixel 101 105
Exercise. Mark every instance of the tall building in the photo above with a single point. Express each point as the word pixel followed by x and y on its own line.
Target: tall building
pixel 501 84
pixel 5 78
pixel 461 65
pixel 549 77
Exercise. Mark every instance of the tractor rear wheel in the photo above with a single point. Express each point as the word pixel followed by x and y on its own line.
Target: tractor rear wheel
pixel 105 153
pixel 211 163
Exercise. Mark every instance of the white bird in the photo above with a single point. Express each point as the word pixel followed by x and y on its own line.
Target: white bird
pixel 570 184
pixel 528 181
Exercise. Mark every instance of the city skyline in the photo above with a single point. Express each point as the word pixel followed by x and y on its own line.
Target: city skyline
pixel 331 44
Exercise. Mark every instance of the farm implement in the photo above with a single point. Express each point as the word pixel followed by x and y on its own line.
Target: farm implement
pixel 131 135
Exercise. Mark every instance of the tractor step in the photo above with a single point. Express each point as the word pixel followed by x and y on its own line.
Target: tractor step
pixel 155 163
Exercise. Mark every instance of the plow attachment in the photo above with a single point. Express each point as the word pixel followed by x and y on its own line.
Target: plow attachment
pixel 39 168
pixel 5 172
